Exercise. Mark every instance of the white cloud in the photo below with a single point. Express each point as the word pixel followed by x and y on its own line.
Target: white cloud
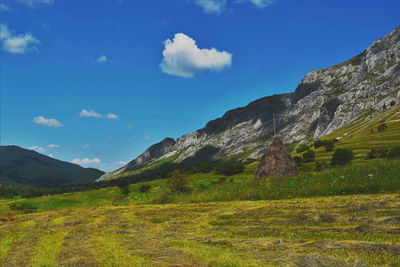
pixel 130 126
pixel 101 59
pixel 112 116
pixel 86 161
pixel 32 3
pixel 53 146
pixel 135 136
pixel 86 146
pixel 47 122
pixel 212 6
pixel 4 7
pixel 183 58
pixel 262 3
pixel 51 155
pixel 92 114
pixel 17 44
pixel 38 149
pixel 146 137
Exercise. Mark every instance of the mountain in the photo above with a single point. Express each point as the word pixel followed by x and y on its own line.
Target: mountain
pixel 324 101
pixel 20 166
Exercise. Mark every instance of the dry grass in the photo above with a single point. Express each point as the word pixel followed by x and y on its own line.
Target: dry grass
pixel 356 230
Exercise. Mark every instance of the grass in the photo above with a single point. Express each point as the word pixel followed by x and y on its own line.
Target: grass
pixel 360 229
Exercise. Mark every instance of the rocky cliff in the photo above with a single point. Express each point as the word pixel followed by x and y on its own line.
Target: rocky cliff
pixel 324 101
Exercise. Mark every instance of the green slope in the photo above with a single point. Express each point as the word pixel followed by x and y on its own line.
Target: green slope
pixel 20 166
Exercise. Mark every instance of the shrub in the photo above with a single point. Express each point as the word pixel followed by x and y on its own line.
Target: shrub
pixel 229 168
pixel 309 156
pixel 383 127
pixel 329 145
pixel 144 188
pixel 302 148
pixel 320 166
pixel 342 157
pixel 381 153
pixel 392 103
pixel 24 207
pixel 393 153
pixel 318 143
pixel 299 160
pixel 178 182
pixel 123 184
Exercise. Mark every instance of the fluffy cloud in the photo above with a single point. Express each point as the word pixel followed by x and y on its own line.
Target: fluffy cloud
pixel 47 122
pixel 216 7
pixel 17 44
pixel 112 116
pixel 211 6
pixel 120 163
pixel 86 161
pixel 183 58
pixel 53 146
pixel 92 114
pixel 33 3
pixel 146 137
pixel 101 59
pixel 86 146
pixel 262 3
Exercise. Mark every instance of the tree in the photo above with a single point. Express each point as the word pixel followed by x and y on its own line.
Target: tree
pixel 382 127
pixel 299 160
pixel 178 182
pixel 230 168
pixel 123 184
pixel 342 157
pixel 329 145
pixel 302 148
pixel 309 156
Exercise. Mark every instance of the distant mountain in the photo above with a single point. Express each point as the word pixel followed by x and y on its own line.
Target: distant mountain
pixel 324 101
pixel 20 166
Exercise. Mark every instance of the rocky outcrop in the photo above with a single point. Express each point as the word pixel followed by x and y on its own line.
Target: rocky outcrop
pixel 324 101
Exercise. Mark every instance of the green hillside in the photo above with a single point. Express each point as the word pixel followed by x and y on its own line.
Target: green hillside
pixel 20 166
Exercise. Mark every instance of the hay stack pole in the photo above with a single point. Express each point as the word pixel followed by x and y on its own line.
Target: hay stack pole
pixel 276 161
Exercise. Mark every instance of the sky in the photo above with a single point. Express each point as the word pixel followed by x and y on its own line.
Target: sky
pixel 97 82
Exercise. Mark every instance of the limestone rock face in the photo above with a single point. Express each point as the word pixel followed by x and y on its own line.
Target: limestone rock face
pixel 324 101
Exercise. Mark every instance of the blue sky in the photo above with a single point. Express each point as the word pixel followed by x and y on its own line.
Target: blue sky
pixel 97 82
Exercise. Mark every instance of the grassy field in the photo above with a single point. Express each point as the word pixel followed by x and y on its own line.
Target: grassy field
pixel 327 231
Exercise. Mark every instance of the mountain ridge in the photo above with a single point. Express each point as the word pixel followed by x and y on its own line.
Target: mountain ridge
pixel 325 100
pixel 19 166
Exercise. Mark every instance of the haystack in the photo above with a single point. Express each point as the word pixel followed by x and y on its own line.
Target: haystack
pixel 276 161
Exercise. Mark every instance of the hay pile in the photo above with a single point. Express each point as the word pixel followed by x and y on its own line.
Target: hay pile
pixel 276 161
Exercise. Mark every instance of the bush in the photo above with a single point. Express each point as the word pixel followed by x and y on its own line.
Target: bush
pixel 299 160
pixel 144 188
pixel 383 127
pixel 309 156
pixel 381 153
pixel 123 184
pixel 320 166
pixel 393 153
pixel 318 143
pixel 25 207
pixel 392 103
pixel 178 182
pixel 302 148
pixel 329 145
pixel 229 168
pixel 342 157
